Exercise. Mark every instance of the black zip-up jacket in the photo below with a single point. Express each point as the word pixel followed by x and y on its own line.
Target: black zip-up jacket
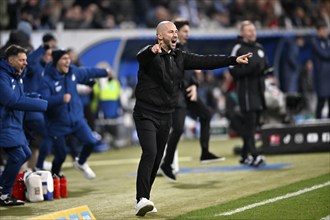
pixel 189 79
pixel 250 85
pixel 160 76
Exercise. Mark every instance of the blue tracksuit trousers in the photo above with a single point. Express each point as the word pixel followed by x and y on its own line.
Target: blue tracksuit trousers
pixel 84 134
pixel 17 156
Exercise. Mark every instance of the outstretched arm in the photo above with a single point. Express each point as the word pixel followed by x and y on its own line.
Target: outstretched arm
pixel 84 74
pixel 208 62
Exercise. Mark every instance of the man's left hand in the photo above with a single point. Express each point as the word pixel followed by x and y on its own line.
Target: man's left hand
pixel 192 93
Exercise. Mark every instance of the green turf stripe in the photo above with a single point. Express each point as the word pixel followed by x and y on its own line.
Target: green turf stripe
pixel 210 212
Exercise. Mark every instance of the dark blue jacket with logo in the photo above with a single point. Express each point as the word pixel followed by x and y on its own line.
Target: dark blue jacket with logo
pixel 321 59
pixel 63 117
pixel 13 103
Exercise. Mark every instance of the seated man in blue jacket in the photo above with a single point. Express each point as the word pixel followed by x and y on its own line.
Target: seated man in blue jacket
pixel 13 103
pixel 65 114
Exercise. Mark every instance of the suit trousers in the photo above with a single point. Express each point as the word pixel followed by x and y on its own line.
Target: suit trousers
pixel 199 110
pixel 152 130
pixel 17 156
pixel 248 132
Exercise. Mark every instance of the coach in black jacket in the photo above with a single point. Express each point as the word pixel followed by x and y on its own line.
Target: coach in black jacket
pixel 161 70
pixel 250 88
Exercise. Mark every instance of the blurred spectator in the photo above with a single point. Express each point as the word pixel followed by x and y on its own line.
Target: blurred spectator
pixel 274 15
pixel 324 12
pixel 210 84
pixel 45 15
pixel 306 87
pixel 73 18
pixel 299 18
pixel 238 11
pixel 187 9
pixel 107 92
pixel 16 37
pixel 30 12
pixel 50 40
pixel 289 63
pixel 89 15
pixel 321 59
pixel 156 15
pixel 26 28
pixel 74 56
pixel 4 15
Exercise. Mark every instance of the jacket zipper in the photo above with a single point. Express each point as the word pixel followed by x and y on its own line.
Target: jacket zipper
pixel 171 70
pixel 66 90
pixel 246 95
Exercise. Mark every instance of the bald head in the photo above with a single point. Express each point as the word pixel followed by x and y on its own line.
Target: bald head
pixel 163 26
pixel 167 35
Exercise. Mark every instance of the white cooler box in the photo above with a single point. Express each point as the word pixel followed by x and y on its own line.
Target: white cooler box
pixel 33 185
pixel 47 184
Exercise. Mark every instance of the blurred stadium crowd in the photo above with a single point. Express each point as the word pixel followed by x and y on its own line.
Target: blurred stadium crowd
pixel 129 14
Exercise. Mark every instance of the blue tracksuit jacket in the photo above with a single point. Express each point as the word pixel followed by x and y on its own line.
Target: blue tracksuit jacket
pixel 13 103
pixel 63 117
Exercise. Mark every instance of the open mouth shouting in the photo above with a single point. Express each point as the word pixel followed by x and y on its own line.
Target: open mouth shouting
pixel 173 42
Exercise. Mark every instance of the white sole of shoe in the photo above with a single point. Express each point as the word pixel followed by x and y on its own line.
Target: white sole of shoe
pixel 143 211
pixel 154 210
pixel 214 160
pixel 83 173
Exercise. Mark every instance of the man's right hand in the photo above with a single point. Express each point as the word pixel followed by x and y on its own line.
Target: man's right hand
pixel 67 97
pixel 156 48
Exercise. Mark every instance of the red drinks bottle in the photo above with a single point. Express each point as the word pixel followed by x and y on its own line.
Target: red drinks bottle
pixel 63 186
pixel 19 189
pixel 57 189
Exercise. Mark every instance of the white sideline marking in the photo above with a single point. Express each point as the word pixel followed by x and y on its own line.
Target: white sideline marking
pixel 326 218
pixel 118 162
pixel 242 209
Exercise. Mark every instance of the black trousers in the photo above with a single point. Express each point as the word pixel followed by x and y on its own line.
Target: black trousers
pixel 248 132
pixel 320 105
pixel 153 130
pixel 199 109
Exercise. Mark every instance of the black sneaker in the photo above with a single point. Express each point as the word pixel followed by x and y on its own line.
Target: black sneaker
pixel 258 161
pixel 167 172
pixel 246 160
pixel 10 201
pixel 209 158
